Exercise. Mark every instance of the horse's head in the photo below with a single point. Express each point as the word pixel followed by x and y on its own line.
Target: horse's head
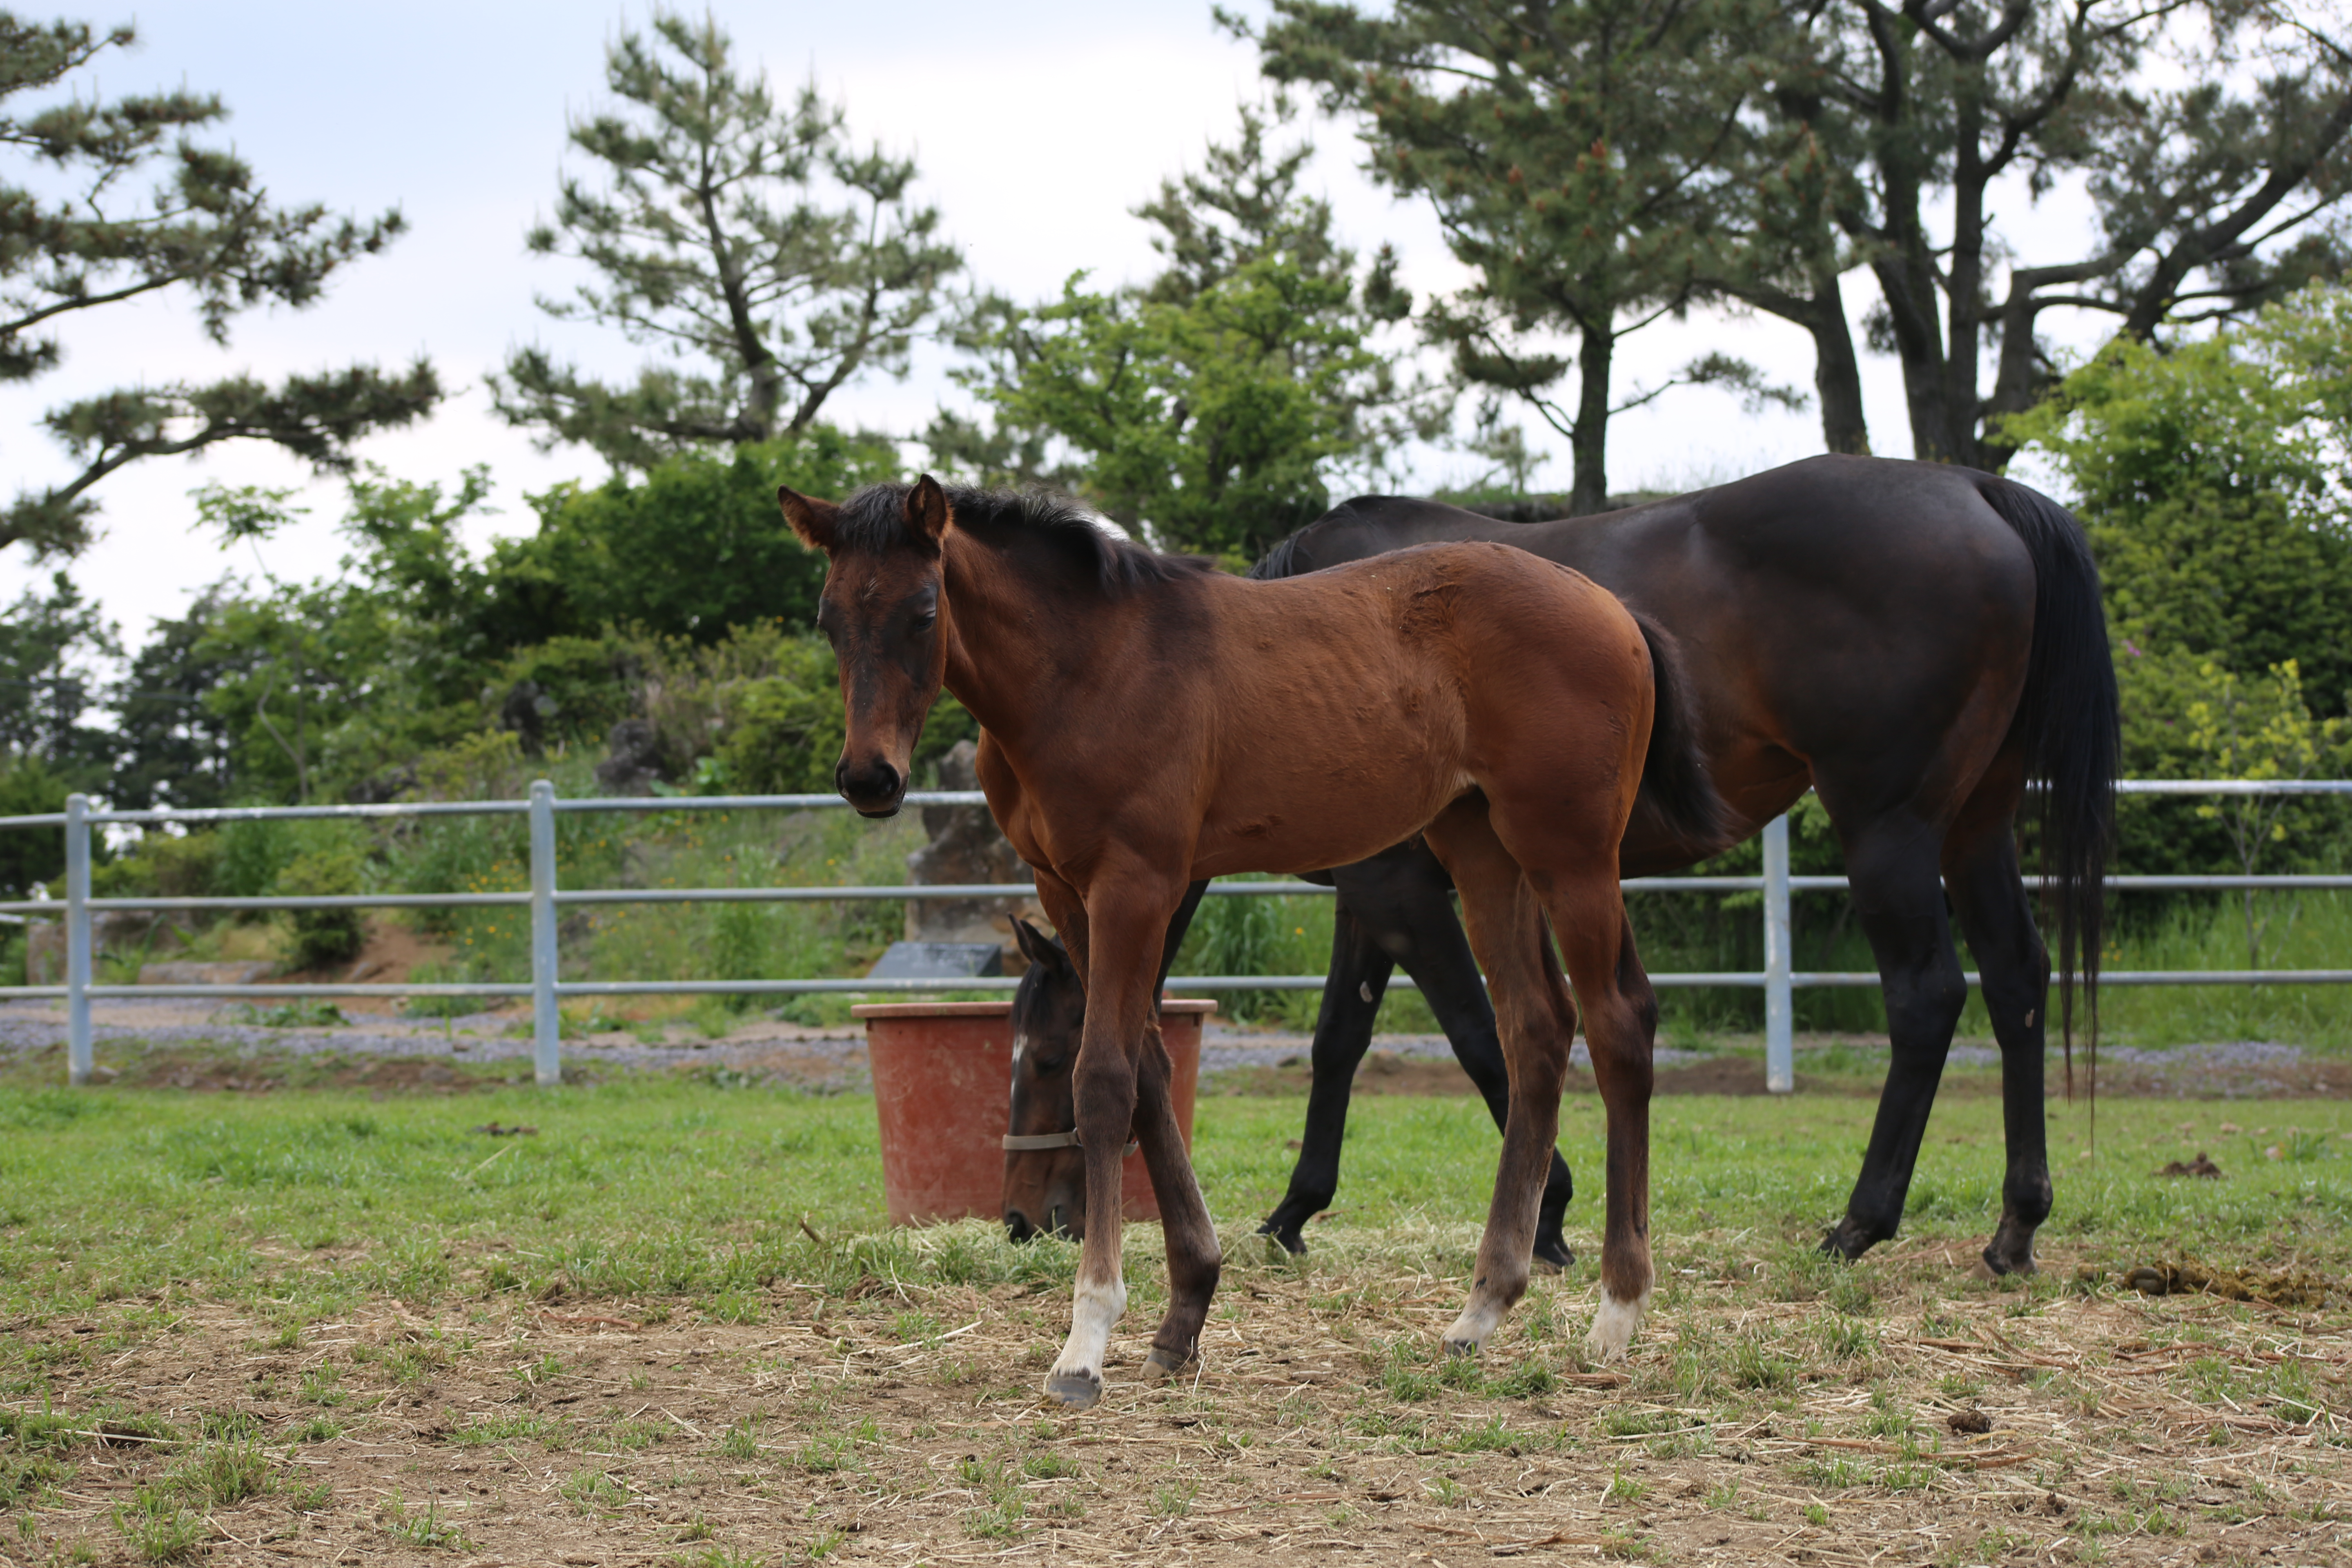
pixel 1045 1189
pixel 882 608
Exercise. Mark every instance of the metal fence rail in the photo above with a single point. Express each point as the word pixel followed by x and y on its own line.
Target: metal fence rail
pixel 1778 978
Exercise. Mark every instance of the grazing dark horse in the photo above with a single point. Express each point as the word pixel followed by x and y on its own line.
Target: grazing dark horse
pixel 1044 1170
pixel 1148 722
pixel 1915 642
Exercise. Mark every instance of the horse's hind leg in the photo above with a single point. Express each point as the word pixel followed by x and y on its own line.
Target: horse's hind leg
pixel 1343 1031
pixel 1621 1027
pixel 1537 1022
pixel 1892 863
pixel 1980 871
pixel 1397 908
pixel 1407 904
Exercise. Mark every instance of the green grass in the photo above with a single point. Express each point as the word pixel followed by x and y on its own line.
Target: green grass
pixel 670 1187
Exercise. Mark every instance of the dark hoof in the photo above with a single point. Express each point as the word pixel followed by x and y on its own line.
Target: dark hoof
pixel 1554 1254
pixel 1464 1349
pixel 1160 1365
pixel 1847 1240
pixel 1075 1390
pixel 1284 1237
pixel 2004 1261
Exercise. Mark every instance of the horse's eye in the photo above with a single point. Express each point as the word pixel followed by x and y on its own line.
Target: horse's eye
pixel 926 621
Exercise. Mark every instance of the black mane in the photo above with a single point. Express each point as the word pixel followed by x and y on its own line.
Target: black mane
pixel 874 519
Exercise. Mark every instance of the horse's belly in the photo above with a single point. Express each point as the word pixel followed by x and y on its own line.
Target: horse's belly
pixel 1345 816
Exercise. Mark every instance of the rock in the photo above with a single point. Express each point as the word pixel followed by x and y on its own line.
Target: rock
pixel 110 931
pixel 238 973
pixel 966 847
pixel 45 953
pixel 1970 1420
pixel 633 762
pixel 938 961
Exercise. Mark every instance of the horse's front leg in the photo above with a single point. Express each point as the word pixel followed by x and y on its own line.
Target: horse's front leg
pixel 1116 1089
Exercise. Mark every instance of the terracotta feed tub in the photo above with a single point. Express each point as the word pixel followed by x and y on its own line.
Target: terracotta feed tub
pixel 943 1090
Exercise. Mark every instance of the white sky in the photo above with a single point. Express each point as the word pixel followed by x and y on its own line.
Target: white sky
pixel 1036 125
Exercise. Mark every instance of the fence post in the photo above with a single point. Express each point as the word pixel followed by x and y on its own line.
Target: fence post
pixel 1780 1000
pixel 79 1062
pixel 547 1023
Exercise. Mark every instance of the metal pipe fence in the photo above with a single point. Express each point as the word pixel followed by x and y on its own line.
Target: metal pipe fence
pixel 1779 979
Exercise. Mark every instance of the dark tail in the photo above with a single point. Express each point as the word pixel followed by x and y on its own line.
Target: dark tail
pixel 2074 741
pixel 1676 794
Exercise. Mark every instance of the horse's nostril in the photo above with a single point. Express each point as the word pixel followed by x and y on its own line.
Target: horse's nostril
pixel 1017 1226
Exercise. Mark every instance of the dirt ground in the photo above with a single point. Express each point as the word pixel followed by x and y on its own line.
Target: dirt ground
pixel 897 1424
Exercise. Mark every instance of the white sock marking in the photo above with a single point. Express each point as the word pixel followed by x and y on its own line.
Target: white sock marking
pixel 1093 1310
pixel 1614 1326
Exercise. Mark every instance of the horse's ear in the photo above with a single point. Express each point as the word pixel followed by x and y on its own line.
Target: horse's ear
pixel 1039 948
pixel 812 518
pixel 927 509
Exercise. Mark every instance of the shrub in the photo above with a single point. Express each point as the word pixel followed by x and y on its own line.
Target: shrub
pixel 324 937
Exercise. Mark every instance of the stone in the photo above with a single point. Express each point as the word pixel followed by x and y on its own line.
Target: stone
pixel 45 953
pixel 967 847
pixel 633 761
pixel 938 961
pixel 244 973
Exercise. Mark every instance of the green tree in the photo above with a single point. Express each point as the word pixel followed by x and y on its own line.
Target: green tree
pixel 332 687
pixel 1577 154
pixel 1210 409
pixel 30 857
pixel 170 748
pixel 692 547
pixel 53 648
pixel 2210 476
pixel 750 240
pixel 205 229
pixel 2260 729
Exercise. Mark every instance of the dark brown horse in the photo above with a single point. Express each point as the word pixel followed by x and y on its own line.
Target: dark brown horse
pixel 1149 723
pixel 1915 642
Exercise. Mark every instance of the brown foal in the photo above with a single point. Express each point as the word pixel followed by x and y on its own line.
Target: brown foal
pixel 1147 721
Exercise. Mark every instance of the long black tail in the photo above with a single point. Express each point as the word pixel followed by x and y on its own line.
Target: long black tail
pixel 1676 794
pixel 2074 741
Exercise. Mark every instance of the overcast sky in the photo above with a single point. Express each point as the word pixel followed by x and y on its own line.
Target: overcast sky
pixel 1036 126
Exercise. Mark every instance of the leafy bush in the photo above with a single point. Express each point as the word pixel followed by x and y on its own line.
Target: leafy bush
pixel 324 937
pixel 163 865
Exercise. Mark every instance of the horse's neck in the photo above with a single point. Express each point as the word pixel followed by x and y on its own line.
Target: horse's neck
pixel 1002 663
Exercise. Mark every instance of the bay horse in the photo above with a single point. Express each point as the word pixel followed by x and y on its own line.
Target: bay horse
pixel 1915 642
pixel 1148 723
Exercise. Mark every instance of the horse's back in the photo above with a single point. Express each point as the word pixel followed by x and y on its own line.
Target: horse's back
pixel 1868 615
pixel 1354 704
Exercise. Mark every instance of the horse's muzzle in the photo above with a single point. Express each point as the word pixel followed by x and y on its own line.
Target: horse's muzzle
pixel 874 787
pixel 1059 1221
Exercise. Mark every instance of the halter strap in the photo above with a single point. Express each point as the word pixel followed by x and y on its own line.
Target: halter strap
pixel 1020 1142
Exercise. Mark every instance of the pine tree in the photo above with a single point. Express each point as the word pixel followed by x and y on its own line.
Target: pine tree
pixel 1577 153
pixel 207 229
pixel 1209 409
pixel 2213 198
pixel 747 238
